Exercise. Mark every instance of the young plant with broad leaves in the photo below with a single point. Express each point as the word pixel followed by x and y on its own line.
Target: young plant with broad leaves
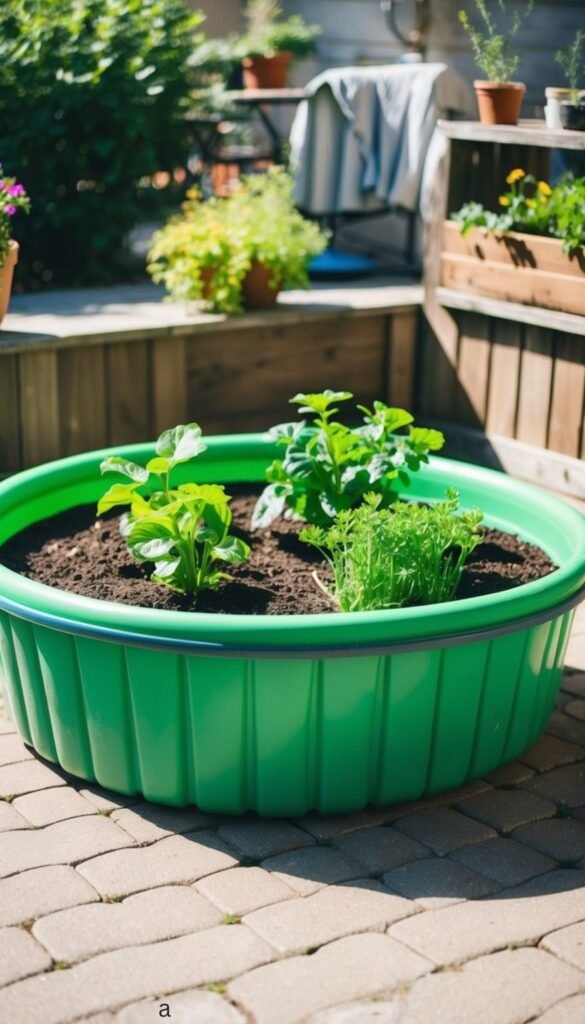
pixel 183 530
pixel 327 467
pixel 388 558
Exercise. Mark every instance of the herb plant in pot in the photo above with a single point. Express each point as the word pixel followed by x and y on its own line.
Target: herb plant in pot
pixel 12 198
pixel 240 251
pixel 499 98
pixel 391 690
pixel 572 106
pixel 270 44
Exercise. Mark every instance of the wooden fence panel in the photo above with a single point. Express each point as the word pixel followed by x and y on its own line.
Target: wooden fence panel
pixel 10 454
pixel 82 399
pixel 39 407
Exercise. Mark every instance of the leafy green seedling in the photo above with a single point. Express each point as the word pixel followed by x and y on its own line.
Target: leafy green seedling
pixel 184 530
pixel 387 558
pixel 328 467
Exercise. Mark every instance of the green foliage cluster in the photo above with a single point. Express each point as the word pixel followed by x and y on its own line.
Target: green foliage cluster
pixel 572 61
pixel 490 45
pixel 183 530
pixel 328 467
pixel 91 100
pixel 386 558
pixel 533 207
pixel 268 33
pixel 206 252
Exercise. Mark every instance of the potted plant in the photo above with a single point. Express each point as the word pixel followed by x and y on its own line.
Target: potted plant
pixel 572 106
pixel 239 251
pixel 279 713
pixel 270 43
pixel 531 251
pixel 499 98
pixel 12 198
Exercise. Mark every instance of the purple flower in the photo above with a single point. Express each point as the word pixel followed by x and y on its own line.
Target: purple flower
pixel 15 190
pixel 10 210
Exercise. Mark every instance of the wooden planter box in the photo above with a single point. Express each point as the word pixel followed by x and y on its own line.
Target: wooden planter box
pixel 514 267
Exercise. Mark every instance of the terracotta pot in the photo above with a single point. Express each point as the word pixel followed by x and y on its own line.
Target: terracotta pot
pixel 499 104
pixel 257 291
pixel 6 275
pixel 266 72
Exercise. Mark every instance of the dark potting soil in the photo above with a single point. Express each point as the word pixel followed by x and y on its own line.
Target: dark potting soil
pixel 78 552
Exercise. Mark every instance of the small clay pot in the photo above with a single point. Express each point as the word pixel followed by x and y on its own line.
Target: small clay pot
pixel 266 72
pixel 257 290
pixel 6 275
pixel 499 103
pixel 573 116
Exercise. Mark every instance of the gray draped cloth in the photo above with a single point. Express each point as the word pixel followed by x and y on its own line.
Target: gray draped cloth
pixel 365 139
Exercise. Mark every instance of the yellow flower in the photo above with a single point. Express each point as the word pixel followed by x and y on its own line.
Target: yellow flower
pixel 544 188
pixel 504 201
pixel 515 176
pixel 531 203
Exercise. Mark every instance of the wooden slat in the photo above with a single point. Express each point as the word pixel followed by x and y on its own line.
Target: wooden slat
pixel 82 399
pixel 473 370
pixel 526 133
pixel 169 383
pixel 568 323
pixel 10 459
pixel 504 379
pixel 535 387
pixel 39 407
pixel 568 396
pixel 523 285
pixel 252 379
pixel 128 383
pixel 402 360
pixel 515 250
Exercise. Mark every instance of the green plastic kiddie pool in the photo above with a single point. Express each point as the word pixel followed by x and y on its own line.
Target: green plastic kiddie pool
pixel 286 714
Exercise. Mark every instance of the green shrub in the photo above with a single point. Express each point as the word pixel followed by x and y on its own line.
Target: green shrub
pixel 387 558
pixel 207 251
pixel 268 33
pixel 91 94
pixel 490 46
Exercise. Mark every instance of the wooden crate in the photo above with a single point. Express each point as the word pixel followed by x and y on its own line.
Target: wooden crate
pixel 515 267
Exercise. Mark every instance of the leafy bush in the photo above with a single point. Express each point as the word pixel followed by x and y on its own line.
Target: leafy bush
pixel 12 198
pixel 328 467
pixel 184 530
pixel 268 34
pixel 207 252
pixel 534 207
pixel 490 47
pixel 387 558
pixel 91 95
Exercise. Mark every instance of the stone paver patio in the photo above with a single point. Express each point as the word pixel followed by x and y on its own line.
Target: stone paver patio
pixel 465 909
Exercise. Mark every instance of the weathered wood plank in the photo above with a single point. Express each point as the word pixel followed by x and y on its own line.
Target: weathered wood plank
pixel 82 399
pixel 39 407
pixel 129 399
pixel 473 369
pixel 402 360
pixel 568 396
pixel 526 133
pixel 253 379
pixel 523 285
pixel 536 366
pixel 568 323
pixel 10 457
pixel 504 379
pixel 516 250
pixel 536 465
pixel 169 383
